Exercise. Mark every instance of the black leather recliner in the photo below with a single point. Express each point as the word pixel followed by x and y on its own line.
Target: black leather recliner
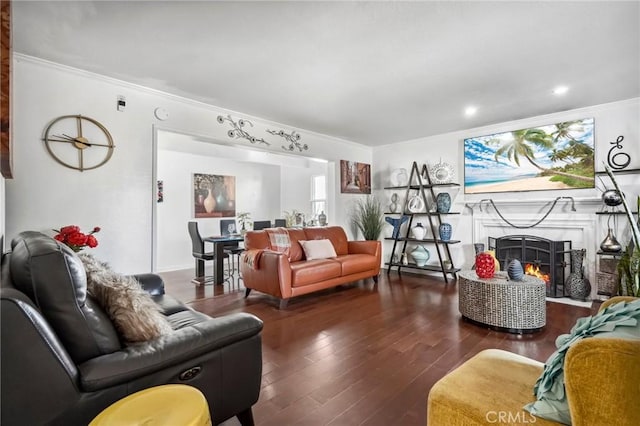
pixel 62 361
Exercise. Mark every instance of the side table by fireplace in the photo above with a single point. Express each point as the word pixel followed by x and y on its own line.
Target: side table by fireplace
pixel 503 305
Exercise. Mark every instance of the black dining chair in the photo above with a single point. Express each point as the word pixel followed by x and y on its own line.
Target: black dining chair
pixel 197 250
pixel 231 250
pixel 261 224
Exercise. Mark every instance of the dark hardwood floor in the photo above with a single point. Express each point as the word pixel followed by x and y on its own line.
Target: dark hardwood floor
pixel 363 354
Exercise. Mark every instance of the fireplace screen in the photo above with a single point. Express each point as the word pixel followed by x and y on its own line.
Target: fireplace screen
pixel 549 260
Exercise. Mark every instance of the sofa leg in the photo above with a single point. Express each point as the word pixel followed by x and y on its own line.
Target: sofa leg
pixel 246 292
pixel 245 417
pixel 283 303
pixel 375 279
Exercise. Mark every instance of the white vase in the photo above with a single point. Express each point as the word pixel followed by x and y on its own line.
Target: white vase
pixel 209 203
pixel 399 177
pixel 418 231
pixel 420 254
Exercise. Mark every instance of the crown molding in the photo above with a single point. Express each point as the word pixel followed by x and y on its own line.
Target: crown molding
pixel 20 57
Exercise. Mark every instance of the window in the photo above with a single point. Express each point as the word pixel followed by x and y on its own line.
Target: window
pixel 318 195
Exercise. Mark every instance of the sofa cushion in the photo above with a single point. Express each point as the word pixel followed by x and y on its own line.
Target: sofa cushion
pixel 317 249
pixel 187 318
pixel 621 320
pixel 168 304
pixel 295 251
pixel 135 315
pixel 313 271
pixel 334 233
pixel 354 263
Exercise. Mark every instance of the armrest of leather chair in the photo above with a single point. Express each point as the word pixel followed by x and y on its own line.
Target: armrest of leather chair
pixel 151 283
pixel 182 345
pixel 35 365
pixel 602 377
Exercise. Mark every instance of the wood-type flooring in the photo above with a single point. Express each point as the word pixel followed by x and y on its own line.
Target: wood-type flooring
pixel 363 354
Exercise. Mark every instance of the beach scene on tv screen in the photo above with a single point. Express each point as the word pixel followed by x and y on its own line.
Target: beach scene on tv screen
pixel 555 156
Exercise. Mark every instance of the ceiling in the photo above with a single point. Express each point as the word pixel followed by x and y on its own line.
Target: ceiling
pixel 370 72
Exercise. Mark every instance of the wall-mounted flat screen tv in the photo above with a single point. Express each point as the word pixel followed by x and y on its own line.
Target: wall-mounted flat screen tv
pixel 555 156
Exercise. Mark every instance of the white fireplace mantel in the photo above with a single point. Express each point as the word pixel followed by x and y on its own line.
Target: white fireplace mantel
pixel 584 204
pixel 577 227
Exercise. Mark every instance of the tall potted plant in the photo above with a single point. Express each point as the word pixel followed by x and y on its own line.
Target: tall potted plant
pixel 367 217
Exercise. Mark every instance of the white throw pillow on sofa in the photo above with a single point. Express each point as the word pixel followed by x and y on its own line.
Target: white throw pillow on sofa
pixel 318 249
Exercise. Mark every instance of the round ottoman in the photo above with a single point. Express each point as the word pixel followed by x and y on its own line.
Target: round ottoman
pixel 166 405
pixel 503 305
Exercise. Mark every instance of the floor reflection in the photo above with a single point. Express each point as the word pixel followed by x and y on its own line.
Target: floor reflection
pixel 179 285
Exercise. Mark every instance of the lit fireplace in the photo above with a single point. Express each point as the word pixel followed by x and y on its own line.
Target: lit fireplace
pixel 546 259
pixel 531 269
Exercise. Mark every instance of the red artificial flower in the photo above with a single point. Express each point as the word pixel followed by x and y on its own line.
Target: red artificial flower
pixel 91 241
pixel 75 239
pixel 65 230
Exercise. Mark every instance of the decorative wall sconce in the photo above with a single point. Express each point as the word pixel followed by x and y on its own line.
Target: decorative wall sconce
pixel 617 163
pixel 293 138
pixel 238 132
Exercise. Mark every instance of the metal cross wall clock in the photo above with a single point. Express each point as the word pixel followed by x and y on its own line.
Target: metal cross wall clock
pixel 78 142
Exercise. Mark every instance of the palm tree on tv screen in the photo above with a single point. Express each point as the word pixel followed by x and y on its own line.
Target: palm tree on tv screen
pixel 524 141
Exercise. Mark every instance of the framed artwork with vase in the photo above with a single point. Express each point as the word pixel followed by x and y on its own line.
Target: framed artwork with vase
pixel 214 196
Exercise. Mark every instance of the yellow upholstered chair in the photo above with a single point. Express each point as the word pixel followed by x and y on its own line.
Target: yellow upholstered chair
pixel 602 382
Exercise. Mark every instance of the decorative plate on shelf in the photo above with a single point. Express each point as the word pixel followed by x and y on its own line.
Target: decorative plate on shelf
pixel 415 204
pixel 399 177
pixel 441 173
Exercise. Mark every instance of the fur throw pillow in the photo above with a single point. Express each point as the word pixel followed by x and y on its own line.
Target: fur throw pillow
pixel 135 315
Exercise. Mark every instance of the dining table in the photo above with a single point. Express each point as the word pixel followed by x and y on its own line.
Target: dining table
pixel 219 242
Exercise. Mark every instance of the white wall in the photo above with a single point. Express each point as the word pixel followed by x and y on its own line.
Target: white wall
pixel 120 195
pixel 296 187
pixel 611 120
pixel 257 191
pixel 266 185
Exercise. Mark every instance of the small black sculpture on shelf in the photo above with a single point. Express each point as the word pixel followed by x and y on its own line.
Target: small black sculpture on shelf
pixel 613 159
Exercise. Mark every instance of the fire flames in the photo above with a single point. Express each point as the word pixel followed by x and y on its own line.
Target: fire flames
pixel 534 270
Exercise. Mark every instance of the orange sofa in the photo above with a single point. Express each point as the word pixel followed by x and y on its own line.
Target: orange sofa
pixel 288 274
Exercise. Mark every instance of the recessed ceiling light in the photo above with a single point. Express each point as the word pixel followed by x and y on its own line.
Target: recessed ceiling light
pixel 470 111
pixel 560 90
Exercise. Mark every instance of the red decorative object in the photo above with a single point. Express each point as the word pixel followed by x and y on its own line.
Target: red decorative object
pixel 485 265
pixel 75 239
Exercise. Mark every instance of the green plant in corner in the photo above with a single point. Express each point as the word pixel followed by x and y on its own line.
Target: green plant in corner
pixel 367 217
